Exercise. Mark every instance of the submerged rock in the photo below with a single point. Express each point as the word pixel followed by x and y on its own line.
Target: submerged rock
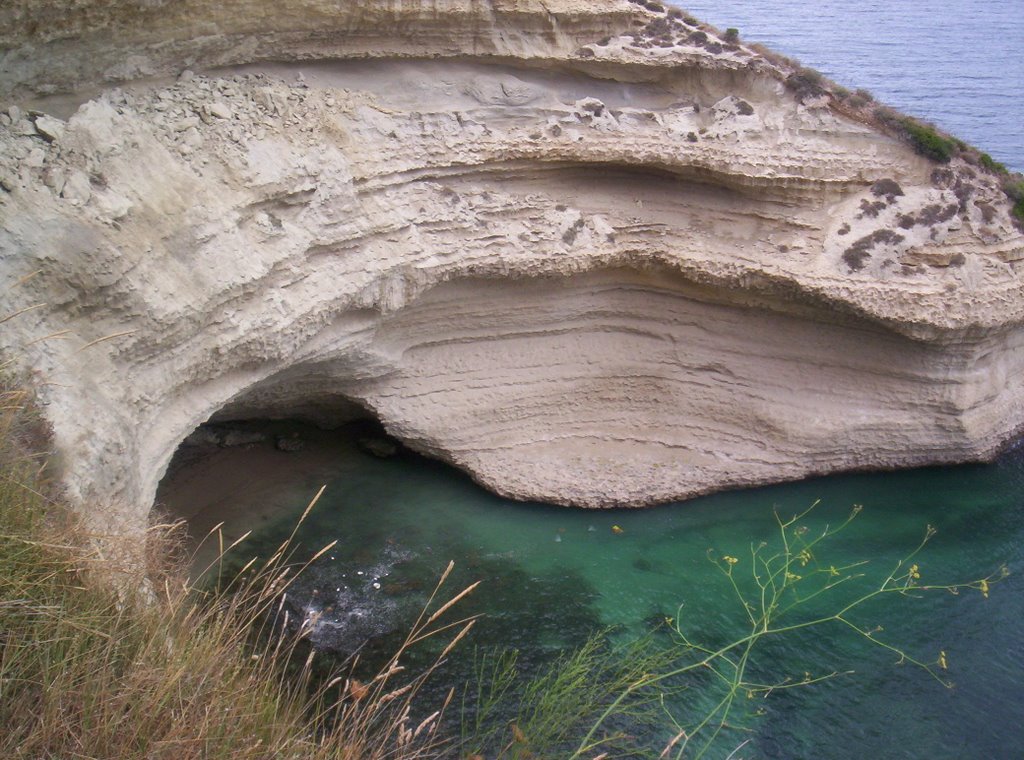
pixel 211 436
pixel 290 442
pixel 380 447
pixel 231 438
pixel 340 605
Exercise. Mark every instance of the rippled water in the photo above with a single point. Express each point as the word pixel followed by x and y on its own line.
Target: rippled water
pixel 552 575
pixel 958 63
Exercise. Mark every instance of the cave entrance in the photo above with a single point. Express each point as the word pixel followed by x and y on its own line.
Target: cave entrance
pixel 240 470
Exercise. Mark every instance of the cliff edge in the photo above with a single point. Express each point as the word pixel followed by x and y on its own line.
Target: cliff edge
pixel 592 253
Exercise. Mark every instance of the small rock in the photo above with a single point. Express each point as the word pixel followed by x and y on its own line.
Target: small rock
pixel 113 205
pixel 186 76
pixel 24 127
pixel 202 438
pixel 590 105
pixel 289 443
pixel 186 124
pixel 219 110
pixel 77 187
pixel 242 438
pixel 35 158
pixel 50 128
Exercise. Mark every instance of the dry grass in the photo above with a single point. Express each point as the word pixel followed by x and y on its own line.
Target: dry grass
pixel 87 671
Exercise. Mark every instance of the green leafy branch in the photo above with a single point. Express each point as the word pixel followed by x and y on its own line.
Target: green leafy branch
pixel 779 585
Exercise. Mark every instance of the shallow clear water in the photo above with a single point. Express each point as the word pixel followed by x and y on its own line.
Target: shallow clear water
pixel 552 575
pixel 958 63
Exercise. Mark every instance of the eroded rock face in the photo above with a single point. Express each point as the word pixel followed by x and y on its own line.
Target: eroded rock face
pixel 572 248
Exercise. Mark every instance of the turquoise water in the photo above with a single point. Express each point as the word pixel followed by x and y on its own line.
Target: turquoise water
pixel 959 63
pixel 552 575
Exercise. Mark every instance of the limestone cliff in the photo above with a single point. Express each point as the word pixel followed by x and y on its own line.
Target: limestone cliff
pixel 586 251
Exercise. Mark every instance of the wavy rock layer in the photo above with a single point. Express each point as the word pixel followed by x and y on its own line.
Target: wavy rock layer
pixel 624 387
pixel 589 267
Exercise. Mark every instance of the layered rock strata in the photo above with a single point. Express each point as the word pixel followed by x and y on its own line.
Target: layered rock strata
pixel 587 252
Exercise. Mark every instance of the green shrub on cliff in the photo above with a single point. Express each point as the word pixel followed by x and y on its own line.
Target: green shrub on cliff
pixel 991 164
pixel 928 142
pixel 1013 186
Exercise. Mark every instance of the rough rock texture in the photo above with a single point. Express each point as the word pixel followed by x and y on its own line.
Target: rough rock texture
pixel 571 247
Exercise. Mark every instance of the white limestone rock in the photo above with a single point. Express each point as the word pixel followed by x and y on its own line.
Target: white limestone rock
pixel 50 128
pixel 77 188
pixel 604 279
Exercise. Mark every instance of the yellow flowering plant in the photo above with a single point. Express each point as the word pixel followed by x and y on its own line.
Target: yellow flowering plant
pixel 775 586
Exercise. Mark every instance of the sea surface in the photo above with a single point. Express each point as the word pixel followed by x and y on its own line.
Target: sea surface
pixel 957 63
pixel 552 575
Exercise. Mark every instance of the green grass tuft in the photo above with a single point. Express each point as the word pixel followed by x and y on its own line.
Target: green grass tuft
pixel 928 142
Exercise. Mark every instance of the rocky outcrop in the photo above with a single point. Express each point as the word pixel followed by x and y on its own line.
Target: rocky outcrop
pixel 586 251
